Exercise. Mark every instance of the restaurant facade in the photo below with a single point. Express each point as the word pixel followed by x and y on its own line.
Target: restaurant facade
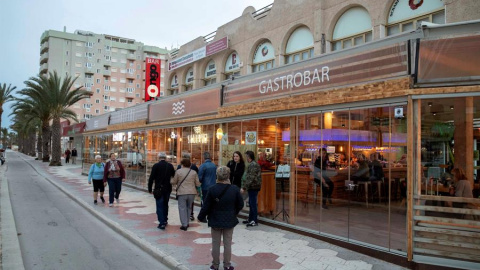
pixel 393 115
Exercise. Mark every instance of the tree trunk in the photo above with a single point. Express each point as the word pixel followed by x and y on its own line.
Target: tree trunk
pixel 56 143
pixel 45 142
pixel 39 145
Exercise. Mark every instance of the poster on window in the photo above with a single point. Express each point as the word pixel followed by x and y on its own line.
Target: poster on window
pixel 152 78
pixel 250 137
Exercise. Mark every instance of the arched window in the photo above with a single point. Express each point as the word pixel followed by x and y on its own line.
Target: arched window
pixel 189 79
pixel 299 45
pixel 174 85
pixel 353 28
pixel 404 14
pixel 210 73
pixel 232 66
pixel 263 57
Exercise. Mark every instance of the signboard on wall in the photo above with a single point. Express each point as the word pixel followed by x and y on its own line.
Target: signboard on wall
pixel 210 49
pixel 200 103
pixel 152 78
pixel 318 74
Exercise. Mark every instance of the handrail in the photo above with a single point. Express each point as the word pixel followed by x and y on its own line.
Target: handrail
pixel 209 37
pixel 261 12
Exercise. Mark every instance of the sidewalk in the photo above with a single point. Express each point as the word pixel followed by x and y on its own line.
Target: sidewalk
pixel 261 247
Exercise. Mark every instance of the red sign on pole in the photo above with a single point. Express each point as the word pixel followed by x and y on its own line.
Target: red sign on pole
pixel 152 78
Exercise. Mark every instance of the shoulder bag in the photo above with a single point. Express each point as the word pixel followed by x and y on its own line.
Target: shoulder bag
pixel 221 194
pixel 157 192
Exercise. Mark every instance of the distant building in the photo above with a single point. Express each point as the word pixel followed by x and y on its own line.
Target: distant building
pixel 111 67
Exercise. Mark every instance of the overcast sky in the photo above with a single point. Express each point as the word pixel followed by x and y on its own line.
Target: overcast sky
pixel 159 23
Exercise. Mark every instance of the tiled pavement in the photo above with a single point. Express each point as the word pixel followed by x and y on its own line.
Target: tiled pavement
pixel 261 247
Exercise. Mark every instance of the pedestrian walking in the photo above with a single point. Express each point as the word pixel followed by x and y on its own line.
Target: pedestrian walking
pixel 95 176
pixel 237 168
pixel 185 182
pixel 252 184
pixel 207 174
pixel 67 155
pixel 221 207
pixel 114 174
pixel 161 175
pixel 74 156
pixel 195 168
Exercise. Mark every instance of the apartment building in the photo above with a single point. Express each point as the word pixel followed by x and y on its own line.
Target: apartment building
pixel 111 67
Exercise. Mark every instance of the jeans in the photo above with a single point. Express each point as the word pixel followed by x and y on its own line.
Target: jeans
pixel 114 188
pixel 252 201
pixel 204 195
pixel 162 209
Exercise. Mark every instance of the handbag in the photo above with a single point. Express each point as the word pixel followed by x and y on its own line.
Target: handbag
pixel 176 190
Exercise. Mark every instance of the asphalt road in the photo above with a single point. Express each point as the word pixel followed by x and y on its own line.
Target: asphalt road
pixel 56 233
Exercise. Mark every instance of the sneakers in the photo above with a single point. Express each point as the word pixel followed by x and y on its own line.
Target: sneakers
pixel 192 218
pixel 229 268
pixel 117 200
pixel 110 204
pixel 245 221
pixel 212 267
pixel 94 201
pixel 252 224
pixel 103 200
pixel 162 226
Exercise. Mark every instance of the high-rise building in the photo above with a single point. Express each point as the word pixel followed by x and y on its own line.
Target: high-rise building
pixel 111 67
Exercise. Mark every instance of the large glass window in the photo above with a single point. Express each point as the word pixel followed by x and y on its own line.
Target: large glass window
pixel 232 66
pixel 353 28
pixel 189 79
pixel 446 189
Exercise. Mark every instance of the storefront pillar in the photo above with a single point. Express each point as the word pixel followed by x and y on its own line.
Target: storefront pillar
pixel 293 171
pixel 463 136
pixel 413 165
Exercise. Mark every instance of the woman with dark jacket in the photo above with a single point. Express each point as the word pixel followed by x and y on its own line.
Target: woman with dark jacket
pixel 114 174
pixel 237 167
pixel 222 205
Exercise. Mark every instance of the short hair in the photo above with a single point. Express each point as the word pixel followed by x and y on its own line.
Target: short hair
pixel 162 155
pixel 111 154
pixel 223 173
pixel 98 156
pixel 250 155
pixel 186 162
pixel 206 155
pixel 186 155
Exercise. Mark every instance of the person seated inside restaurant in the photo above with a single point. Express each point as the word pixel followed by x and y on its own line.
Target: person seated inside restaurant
pixel 363 171
pixel 376 168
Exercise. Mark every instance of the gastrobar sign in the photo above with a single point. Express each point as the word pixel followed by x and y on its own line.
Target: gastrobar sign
pixel 210 49
pixel 152 78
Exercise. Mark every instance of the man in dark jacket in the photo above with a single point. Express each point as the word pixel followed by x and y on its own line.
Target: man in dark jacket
pixel 161 174
pixel 222 205
pixel 252 184
pixel 74 156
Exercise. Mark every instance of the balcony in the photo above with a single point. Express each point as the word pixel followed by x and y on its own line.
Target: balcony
pixel 130 75
pixel 44 47
pixel 88 70
pixel 131 56
pixel 107 73
pixel 44 58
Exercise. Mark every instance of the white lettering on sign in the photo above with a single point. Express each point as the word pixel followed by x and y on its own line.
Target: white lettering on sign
pixel 198 138
pixel 294 81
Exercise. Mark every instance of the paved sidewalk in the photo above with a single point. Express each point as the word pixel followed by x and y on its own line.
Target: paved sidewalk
pixel 261 247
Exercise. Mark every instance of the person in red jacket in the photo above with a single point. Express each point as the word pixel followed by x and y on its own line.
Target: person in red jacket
pixel 114 174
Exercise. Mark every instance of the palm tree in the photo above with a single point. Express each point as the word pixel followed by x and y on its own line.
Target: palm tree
pixel 4 135
pixel 59 94
pixel 29 109
pixel 5 96
pixel 27 131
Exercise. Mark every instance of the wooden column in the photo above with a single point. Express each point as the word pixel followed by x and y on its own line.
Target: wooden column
pixel 293 169
pixel 463 136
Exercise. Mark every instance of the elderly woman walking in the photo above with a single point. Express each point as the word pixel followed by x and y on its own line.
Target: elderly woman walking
pixel 114 174
pixel 95 175
pixel 186 183
pixel 222 205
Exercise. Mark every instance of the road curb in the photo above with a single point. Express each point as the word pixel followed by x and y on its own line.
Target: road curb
pixel 11 253
pixel 141 243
